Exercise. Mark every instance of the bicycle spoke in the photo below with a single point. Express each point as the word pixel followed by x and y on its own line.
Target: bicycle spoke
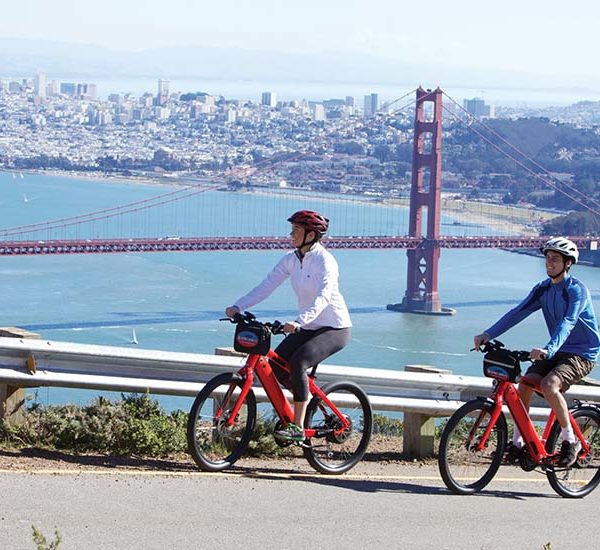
pixel 335 449
pixel 583 477
pixel 214 441
pixel 465 468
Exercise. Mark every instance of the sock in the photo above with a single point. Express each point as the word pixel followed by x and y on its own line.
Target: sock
pixel 568 434
pixel 517 440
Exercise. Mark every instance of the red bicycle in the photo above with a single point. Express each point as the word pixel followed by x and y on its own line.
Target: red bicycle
pixel 474 439
pixel 221 421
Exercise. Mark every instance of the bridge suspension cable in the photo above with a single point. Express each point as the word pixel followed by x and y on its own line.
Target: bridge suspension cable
pixel 112 212
pixel 582 199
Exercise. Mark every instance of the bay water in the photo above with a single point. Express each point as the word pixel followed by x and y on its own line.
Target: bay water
pixel 174 300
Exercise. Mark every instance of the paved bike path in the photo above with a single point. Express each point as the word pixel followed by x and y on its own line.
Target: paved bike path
pixel 397 507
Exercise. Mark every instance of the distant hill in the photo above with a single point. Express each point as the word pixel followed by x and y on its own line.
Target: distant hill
pixel 27 57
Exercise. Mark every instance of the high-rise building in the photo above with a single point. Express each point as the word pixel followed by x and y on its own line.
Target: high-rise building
pixel 67 88
pixel 92 91
pixel 39 85
pixel 478 108
pixel 269 99
pixel 231 115
pixel 163 92
pixel 371 104
pixel 317 111
pixel 53 88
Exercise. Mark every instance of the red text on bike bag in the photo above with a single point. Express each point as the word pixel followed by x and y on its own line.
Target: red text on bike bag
pixel 252 338
pixel 501 365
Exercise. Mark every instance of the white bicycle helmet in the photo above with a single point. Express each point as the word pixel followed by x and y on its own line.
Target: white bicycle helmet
pixel 563 246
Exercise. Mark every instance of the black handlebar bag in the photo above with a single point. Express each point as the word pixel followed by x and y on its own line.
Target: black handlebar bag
pixel 252 338
pixel 501 365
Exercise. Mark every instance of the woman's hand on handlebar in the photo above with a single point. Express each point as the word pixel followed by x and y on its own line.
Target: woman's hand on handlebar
pixel 291 326
pixel 231 311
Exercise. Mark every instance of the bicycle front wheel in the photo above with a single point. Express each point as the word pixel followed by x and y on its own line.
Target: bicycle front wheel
pixel 213 442
pixel 582 477
pixel 464 468
pixel 332 450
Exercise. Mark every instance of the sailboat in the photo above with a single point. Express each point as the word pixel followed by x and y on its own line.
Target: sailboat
pixel 25 199
pixel 134 339
pixel 21 175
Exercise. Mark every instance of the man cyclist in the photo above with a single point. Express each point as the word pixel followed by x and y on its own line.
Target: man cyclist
pixel 574 343
pixel 323 325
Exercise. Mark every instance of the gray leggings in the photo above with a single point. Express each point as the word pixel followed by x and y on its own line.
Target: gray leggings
pixel 305 349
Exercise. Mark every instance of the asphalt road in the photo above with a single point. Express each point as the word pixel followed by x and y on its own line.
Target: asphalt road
pixel 281 508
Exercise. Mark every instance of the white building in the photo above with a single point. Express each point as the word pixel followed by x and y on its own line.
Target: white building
pixel 39 85
pixel 317 111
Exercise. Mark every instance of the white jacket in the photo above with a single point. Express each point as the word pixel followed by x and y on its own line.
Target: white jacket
pixel 315 282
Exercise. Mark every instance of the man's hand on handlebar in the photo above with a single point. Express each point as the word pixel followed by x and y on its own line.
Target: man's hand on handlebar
pixel 538 353
pixel 480 339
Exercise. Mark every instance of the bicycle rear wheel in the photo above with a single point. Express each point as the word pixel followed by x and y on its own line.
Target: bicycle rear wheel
pixel 213 444
pixel 464 469
pixel 582 477
pixel 332 452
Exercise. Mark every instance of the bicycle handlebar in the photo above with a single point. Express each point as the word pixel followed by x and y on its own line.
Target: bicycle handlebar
pixel 496 345
pixel 276 327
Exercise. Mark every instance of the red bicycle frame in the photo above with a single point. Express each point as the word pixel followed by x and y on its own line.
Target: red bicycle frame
pixel 506 393
pixel 260 365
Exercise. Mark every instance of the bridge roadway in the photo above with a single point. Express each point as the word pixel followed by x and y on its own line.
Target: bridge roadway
pixel 393 505
pixel 206 244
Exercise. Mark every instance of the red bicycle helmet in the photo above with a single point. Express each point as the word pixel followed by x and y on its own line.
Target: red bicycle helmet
pixel 313 221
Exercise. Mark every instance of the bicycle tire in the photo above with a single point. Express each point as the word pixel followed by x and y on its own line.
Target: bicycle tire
pixel 583 477
pixel 327 452
pixel 463 470
pixel 213 445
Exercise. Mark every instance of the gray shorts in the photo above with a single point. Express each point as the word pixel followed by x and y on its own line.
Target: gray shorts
pixel 569 368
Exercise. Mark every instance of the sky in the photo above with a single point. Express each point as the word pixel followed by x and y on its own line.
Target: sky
pixel 546 37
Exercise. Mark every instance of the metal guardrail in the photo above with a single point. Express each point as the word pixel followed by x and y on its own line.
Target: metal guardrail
pixel 32 363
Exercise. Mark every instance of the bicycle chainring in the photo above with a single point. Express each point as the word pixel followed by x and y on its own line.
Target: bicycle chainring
pixel 525 461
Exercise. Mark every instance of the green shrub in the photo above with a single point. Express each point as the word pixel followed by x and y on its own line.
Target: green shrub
pixel 136 425
pixel 384 425
pixel 40 540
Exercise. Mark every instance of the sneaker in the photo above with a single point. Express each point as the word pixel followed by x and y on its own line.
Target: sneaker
pixel 512 453
pixel 291 432
pixel 568 453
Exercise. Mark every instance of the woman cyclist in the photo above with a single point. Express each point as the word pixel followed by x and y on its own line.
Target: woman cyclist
pixel 574 341
pixel 323 325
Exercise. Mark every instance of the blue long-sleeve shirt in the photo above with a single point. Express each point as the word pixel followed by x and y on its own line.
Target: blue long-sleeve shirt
pixel 569 316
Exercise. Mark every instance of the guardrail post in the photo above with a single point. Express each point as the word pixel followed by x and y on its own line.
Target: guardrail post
pixel 419 429
pixel 12 398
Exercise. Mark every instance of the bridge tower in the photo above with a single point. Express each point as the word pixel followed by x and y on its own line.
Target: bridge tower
pixel 422 274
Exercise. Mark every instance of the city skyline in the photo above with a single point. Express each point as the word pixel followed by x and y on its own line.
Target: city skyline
pixel 533 38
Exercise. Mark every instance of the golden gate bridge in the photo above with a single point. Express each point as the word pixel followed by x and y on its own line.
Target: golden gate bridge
pixel 423 242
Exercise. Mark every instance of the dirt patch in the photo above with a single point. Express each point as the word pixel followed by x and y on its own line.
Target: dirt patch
pixel 384 457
